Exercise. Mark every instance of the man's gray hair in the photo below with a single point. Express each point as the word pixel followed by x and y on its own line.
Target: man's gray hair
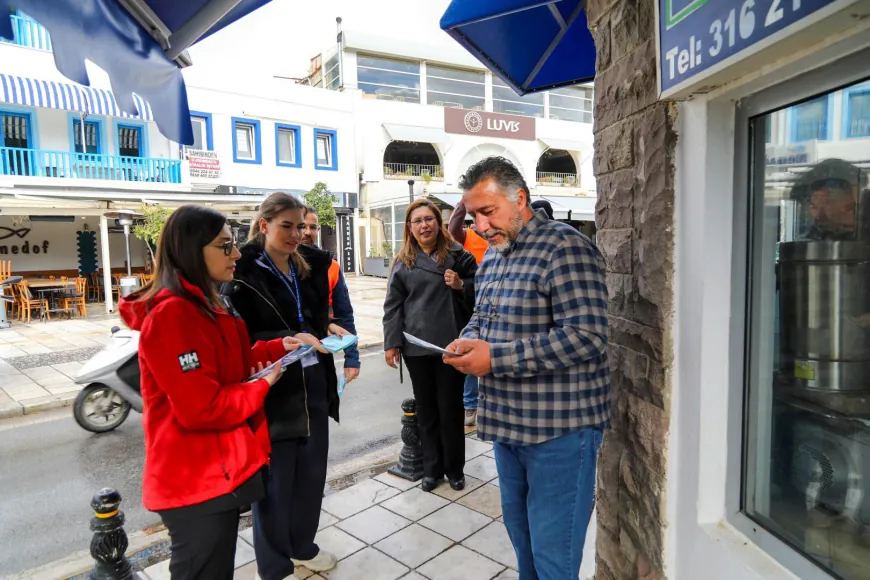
pixel 505 174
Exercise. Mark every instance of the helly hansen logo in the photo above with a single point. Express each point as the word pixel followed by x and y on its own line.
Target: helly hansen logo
pixel 189 361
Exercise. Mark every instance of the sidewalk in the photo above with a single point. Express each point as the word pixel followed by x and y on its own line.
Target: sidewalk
pixel 39 360
pixel 386 528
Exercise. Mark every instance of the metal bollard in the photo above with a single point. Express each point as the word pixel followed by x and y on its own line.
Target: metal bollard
pixel 410 464
pixel 109 544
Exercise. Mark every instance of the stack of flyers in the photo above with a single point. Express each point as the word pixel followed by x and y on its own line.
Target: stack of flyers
pixel 334 343
pixel 287 359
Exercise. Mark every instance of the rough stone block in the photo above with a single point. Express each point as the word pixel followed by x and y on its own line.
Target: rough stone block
pixel 618 291
pixel 610 554
pixel 643 486
pixel 615 205
pixel 615 246
pixel 628 86
pixel 614 148
pixel 638 337
pixel 597 9
pixel 646 433
pixel 607 488
pixel 638 375
pixel 647 536
pixel 601 35
pixel 624 32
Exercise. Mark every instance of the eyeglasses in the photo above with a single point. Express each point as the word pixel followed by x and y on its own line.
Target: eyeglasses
pixel 428 220
pixel 227 247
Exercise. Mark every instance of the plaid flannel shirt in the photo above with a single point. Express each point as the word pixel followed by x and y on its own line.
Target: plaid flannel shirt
pixel 543 310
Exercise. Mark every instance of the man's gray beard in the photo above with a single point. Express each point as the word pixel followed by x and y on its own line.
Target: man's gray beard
pixel 510 236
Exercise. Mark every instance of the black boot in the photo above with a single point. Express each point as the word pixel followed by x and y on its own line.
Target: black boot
pixel 429 484
pixel 458 484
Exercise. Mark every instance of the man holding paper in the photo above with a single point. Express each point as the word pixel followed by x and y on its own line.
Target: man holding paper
pixel 537 340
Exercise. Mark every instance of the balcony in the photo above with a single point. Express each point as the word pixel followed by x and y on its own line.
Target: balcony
pixel 549 179
pixel 406 170
pixel 64 164
pixel 28 32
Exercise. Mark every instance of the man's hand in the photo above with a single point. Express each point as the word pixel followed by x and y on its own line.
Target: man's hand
pixel 306 338
pixel 391 355
pixel 338 331
pixel 453 280
pixel 350 373
pixel 291 343
pixel 473 356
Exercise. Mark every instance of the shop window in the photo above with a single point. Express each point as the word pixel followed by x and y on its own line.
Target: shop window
pixel 807 440
pixel 457 88
pixel 130 141
pixel 389 79
pixel 246 141
pixel 506 100
pixel 325 150
pixel 287 145
pixel 571 104
pixel 858 113
pixel 91 135
pixel 203 139
pixel 810 120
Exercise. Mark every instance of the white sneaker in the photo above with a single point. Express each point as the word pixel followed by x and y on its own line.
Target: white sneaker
pixel 322 562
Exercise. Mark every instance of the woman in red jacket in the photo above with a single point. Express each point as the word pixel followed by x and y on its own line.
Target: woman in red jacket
pixel 206 438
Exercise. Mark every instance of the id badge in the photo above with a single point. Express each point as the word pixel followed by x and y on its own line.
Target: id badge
pixel 310 359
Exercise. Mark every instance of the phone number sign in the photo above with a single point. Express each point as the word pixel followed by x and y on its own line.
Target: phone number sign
pixel 697 35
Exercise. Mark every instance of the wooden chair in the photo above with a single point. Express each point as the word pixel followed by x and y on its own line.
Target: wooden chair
pixel 15 306
pixel 76 298
pixel 95 287
pixel 116 287
pixel 29 303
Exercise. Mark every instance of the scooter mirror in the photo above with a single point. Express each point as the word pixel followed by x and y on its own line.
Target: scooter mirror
pixel 115 329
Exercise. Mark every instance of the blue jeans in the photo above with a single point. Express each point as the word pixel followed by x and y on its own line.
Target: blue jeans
pixel 469 394
pixel 547 494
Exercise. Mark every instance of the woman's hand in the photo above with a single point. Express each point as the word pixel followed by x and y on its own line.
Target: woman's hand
pixel 312 340
pixel 291 343
pixel 338 331
pixel 273 376
pixel 391 355
pixel 453 280
pixel 350 373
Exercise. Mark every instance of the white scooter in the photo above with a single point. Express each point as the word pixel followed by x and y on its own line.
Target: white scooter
pixel 111 380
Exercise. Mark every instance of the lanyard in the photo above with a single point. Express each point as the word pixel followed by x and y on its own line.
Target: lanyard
pixel 297 296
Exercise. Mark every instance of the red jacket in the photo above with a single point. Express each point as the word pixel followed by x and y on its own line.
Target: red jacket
pixel 205 428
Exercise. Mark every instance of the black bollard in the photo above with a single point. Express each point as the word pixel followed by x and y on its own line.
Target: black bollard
pixel 410 464
pixel 109 544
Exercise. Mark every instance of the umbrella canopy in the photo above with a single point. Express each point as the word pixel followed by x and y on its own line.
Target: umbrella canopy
pixel 139 43
pixel 532 45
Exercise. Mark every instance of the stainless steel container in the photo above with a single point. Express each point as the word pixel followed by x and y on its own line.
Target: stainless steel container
pixel 824 291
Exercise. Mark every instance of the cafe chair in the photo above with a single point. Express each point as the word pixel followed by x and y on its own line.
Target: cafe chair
pixel 75 299
pixel 29 303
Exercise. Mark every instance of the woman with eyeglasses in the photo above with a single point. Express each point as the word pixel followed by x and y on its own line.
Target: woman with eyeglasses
pixel 282 289
pixel 430 295
pixel 206 440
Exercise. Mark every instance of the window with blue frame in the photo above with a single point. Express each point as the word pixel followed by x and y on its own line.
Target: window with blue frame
pixel 246 141
pixel 810 120
pixel 288 145
pixel 325 150
pixel 14 157
pixel 91 136
pixel 858 109
pixel 130 141
pixel 202 131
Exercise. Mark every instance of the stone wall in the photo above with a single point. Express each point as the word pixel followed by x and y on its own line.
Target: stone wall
pixel 634 167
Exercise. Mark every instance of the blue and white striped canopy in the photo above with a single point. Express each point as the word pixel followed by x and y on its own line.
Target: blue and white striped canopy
pixel 66 96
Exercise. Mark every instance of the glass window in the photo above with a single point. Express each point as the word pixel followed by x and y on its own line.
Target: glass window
pixel 244 141
pixel 859 114
pixel 390 79
pixel 287 146
pixel 200 133
pixel 810 120
pixel 449 87
pixel 324 150
pixel 506 100
pixel 92 137
pixel 332 74
pixel 15 132
pixel 807 440
pixel 129 142
pixel 571 104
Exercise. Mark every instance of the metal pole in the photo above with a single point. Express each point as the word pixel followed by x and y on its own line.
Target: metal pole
pixel 107 263
pixel 127 241
pixel 199 24
pixel 411 191
pixel 82 130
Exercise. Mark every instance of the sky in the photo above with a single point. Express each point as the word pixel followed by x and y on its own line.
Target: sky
pixel 281 37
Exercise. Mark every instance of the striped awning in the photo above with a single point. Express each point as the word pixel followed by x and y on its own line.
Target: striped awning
pixel 66 96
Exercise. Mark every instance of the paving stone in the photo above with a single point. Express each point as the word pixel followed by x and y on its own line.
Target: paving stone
pixel 490 453
pixel 460 563
pixel 70 369
pixel 9 407
pixel 19 381
pixel 40 404
pixel 475 447
pixel 450 494
pixel 65 387
pixel 368 564
pixel 397 482
pixel 485 499
pixel 7 369
pixel 483 468
pixel 414 545
pixel 24 392
pixel 326 520
pixel 494 543
pixel 415 504
pixel 247 535
pixel 455 521
pixel 495 482
pixel 8 351
pixel 33 348
pixel 159 571
pixel 508 575
pixel 246 572
pixel 339 543
pixel 413 576
pixel 373 524
pixel 244 553
pixel 357 498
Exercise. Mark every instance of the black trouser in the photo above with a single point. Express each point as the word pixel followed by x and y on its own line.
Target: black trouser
pixel 203 546
pixel 285 521
pixel 440 415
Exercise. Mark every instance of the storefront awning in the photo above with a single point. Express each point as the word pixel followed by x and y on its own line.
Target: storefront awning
pixel 139 43
pixel 68 97
pixel 450 199
pixel 581 208
pixel 565 144
pixel 532 45
pixel 415 133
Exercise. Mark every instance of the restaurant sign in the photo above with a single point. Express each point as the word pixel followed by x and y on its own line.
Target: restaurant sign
pixel 203 164
pixel 483 124
pixel 23 248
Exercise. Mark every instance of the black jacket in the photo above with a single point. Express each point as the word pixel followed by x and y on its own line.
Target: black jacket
pixel 420 303
pixel 269 311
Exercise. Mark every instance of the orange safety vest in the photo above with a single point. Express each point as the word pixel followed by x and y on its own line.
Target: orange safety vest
pixel 475 244
pixel 334 272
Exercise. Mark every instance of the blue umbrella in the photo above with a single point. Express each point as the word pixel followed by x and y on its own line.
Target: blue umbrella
pixel 139 43
pixel 532 45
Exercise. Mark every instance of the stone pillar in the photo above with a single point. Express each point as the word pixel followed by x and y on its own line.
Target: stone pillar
pixel 634 168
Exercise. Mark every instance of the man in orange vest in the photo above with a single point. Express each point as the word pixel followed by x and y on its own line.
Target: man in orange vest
pixel 477 246
pixel 339 297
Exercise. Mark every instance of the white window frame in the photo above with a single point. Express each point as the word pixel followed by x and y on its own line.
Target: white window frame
pixel 250 132
pixel 326 139
pixel 291 134
pixel 199 122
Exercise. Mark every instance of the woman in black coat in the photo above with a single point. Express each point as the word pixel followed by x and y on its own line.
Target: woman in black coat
pixel 281 288
pixel 430 295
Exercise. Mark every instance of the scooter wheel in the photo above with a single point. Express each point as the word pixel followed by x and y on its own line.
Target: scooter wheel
pixel 99 409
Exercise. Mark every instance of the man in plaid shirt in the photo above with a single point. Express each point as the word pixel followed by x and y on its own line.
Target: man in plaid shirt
pixel 537 340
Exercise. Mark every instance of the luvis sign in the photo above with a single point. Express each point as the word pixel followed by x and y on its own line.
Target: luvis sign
pixel 483 124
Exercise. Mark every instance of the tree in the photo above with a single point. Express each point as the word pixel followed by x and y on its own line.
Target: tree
pixel 149 231
pixel 322 200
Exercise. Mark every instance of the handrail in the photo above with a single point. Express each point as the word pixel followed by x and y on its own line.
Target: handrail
pixel 65 164
pixel 403 170
pixel 28 32
pixel 557 179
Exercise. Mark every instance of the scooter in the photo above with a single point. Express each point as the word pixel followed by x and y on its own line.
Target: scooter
pixel 111 384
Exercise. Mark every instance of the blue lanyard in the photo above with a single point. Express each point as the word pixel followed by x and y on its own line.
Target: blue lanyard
pixel 297 296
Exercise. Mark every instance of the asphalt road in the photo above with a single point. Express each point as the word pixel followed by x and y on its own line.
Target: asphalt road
pixel 50 468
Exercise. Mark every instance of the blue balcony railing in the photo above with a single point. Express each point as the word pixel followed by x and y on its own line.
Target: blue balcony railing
pixel 28 32
pixel 64 164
